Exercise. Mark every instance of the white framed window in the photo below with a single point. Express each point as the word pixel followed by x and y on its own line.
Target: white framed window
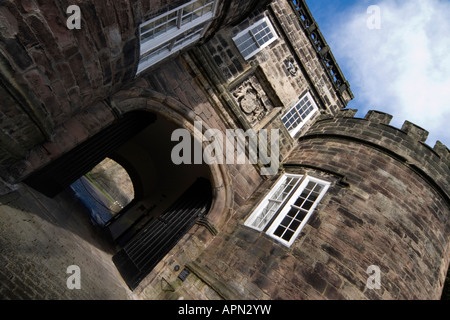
pixel 255 38
pixel 301 112
pixel 173 30
pixel 264 213
pixel 287 208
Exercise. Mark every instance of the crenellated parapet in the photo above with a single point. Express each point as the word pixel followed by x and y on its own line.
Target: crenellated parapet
pixel 406 144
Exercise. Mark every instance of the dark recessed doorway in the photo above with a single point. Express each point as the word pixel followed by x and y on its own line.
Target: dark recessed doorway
pixel 142 202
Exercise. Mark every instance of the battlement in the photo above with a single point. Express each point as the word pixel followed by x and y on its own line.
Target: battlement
pixel 409 130
pixel 406 144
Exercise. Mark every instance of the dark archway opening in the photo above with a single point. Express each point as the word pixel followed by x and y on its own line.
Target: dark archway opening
pixel 62 172
pixel 446 290
pixel 167 199
pixel 140 255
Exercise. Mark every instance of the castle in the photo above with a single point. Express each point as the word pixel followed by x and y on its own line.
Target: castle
pixel 355 208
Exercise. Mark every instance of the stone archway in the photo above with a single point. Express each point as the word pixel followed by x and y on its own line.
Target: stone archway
pixel 138 256
pixel 140 139
pixel 183 117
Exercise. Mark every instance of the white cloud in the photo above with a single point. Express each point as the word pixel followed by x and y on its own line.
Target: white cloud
pixel 403 68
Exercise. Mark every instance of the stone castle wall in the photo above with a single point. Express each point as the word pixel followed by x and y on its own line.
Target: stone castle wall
pixel 175 87
pixel 51 74
pixel 395 210
pixel 388 206
pixel 40 238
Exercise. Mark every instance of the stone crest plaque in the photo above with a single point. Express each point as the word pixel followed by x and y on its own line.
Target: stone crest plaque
pixel 252 100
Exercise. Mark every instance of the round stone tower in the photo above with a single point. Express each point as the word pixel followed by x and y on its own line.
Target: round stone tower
pixel 390 210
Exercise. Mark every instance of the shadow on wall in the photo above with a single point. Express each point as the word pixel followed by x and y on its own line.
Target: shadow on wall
pixel 446 292
pixel 64 211
pixel 41 237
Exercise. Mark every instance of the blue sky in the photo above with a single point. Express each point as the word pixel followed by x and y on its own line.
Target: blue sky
pixel 402 67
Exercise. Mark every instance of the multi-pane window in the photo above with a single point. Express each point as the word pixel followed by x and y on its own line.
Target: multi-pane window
pixel 273 202
pixel 286 209
pixel 296 117
pixel 174 30
pixel 255 38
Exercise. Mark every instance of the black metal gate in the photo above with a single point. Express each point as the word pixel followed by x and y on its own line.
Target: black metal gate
pixel 138 258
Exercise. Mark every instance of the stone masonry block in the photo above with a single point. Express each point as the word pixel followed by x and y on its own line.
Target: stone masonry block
pixel 45 36
pixel 324 116
pixel 380 117
pixel 415 131
pixel 442 150
pixel 347 113
pixel 18 53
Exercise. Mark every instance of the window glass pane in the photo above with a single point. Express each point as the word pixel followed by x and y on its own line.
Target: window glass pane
pixel 170 47
pixel 293 209
pixel 147 36
pixel 207 8
pixel 301 214
pixel 257 36
pixel 288 235
pixel 292 213
pixel 246 44
pixel 262 33
pixel 313 196
pixel 279 232
pixel 275 201
pixel 310 186
pixel 159 30
pixel 265 216
pixel 188 9
pixel 148 27
pixel 163 50
pixel 187 19
pixel 164 24
pixel 196 10
pixel 187 38
pixel 300 200
pixel 173 30
pixel 318 188
pixel 295 117
pixel 295 224
pixel 307 205
pixel 286 222
pixel 285 227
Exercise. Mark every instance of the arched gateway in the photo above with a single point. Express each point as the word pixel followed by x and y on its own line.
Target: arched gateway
pixel 169 199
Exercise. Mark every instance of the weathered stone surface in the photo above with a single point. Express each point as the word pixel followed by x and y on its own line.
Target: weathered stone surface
pixel 38 244
pixel 387 204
